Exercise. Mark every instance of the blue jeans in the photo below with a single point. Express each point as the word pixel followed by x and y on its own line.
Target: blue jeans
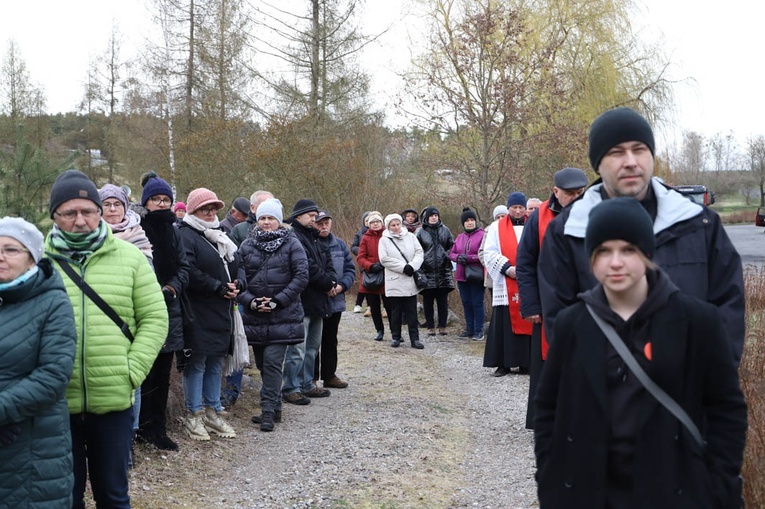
pixel 232 389
pixel 100 447
pixel 300 362
pixel 472 295
pixel 201 382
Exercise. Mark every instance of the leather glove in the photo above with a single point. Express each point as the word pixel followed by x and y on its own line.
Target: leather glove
pixel 376 267
pixel 408 270
pixel 9 433
pixel 462 259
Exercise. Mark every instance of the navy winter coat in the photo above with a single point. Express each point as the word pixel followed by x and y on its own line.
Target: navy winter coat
pixel 37 348
pixel 281 275
pixel 342 262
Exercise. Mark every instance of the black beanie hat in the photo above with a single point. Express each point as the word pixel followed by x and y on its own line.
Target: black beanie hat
pixel 304 205
pixel 614 127
pixel 468 214
pixel 620 219
pixel 71 185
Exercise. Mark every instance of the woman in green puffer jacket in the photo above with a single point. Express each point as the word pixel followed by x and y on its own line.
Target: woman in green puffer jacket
pixel 37 347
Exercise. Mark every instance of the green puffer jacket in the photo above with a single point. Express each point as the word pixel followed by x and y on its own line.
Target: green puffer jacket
pixel 37 344
pixel 108 367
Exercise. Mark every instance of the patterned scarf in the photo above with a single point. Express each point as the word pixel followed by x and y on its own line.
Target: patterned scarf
pixel 267 240
pixel 79 246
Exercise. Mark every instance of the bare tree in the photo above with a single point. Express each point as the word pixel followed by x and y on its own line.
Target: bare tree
pixel 755 153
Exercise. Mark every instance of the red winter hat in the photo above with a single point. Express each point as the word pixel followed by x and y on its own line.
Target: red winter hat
pixel 198 198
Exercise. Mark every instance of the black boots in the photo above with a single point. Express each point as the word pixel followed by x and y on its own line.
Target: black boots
pixel 416 344
pixel 379 336
pixel 267 420
pixel 395 342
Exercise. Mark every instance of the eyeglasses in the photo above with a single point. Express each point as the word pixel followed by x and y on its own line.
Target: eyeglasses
pixel 161 201
pixel 211 209
pixel 70 215
pixel 112 204
pixel 12 251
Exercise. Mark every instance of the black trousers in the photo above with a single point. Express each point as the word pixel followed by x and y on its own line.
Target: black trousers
pixel 326 361
pixel 373 300
pixel 441 297
pixel 154 391
pixel 403 310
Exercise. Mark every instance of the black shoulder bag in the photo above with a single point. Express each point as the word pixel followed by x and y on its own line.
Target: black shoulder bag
pixel 657 392
pixel 97 300
pixel 419 278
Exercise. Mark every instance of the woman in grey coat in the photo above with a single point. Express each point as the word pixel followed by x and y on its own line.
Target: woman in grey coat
pixel 37 347
pixel 276 273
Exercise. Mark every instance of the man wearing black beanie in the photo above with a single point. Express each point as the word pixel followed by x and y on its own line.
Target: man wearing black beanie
pixel 691 244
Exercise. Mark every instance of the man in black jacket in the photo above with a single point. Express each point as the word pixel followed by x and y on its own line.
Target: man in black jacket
pixel 299 365
pixel 691 244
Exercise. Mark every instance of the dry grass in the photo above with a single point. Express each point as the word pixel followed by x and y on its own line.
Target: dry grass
pixel 752 372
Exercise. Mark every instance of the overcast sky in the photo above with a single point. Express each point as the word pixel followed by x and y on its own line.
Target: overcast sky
pixel 715 44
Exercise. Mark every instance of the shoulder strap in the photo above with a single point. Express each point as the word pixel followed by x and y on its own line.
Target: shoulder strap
pixel 399 249
pixel 656 391
pixel 97 300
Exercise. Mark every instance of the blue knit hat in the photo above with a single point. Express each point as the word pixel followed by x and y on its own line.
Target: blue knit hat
pixel 516 198
pixel 155 186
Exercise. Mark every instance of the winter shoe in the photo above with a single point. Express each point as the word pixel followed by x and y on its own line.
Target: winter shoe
pixel 379 336
pixel 194 427
pixel 442 331
pixel 368 313
pixel 258 418
pixel 357 309
pixel 214 423
pixel 465 334
pixel 431 332
pixel 500 372
pixel 266 420
pixel 416 344
pixel 317 392
pixel 478 336
pixel 296 398
pixel 335 383
pixel 395 342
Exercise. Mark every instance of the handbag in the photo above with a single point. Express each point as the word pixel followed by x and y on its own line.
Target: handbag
pixel 373 280
pixel 419 278
pixel 657 392
pixel 96 299
pixel 474 274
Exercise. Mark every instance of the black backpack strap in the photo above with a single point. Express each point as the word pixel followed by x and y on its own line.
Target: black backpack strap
pixel 97 300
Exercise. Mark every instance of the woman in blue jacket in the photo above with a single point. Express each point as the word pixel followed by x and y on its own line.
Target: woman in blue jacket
pixel 37 346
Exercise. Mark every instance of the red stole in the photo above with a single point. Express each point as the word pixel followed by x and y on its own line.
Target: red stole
pixel 545 215
pixel 508 245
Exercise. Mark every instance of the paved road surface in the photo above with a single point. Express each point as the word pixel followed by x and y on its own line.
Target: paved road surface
pixel 749 241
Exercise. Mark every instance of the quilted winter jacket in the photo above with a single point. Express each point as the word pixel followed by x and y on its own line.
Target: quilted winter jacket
pixel 398 284
pixel 344 269
pixel 436 241
pixel 108 367
pixel 282 275
pixel 37 341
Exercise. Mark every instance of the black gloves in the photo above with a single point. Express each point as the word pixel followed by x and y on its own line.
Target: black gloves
pixel 376 267
pixel 408 270
pixel 9 433
pixel 222 290
pixel 462 259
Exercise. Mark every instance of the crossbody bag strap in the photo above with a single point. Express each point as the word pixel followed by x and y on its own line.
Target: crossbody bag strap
pixel 97 300
pixel 657 392
pixel 399 249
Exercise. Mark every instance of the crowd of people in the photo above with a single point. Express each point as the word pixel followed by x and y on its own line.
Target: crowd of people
pixel 623 301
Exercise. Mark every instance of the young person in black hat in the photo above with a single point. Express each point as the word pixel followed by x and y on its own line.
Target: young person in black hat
pixel 691 244
pixel 601 438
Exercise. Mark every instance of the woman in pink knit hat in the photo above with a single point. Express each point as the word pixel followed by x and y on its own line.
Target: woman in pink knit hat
pixel 214 283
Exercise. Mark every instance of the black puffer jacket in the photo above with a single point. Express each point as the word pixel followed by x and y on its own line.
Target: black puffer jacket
pixel 436 241
pixel 281 275
pixel 321 273
pixel 211 332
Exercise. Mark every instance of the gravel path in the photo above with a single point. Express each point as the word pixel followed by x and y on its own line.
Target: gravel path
pixel 415 428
